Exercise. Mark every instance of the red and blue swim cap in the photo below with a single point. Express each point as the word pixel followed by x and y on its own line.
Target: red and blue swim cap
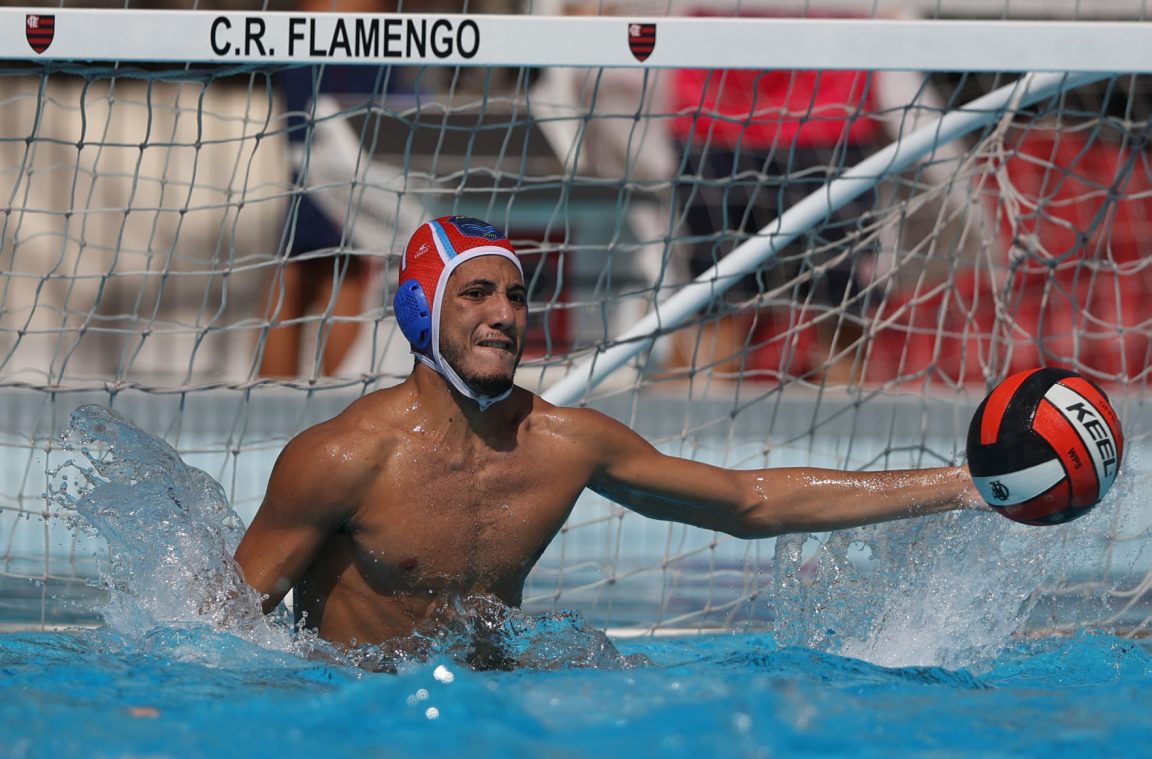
pixel 433 253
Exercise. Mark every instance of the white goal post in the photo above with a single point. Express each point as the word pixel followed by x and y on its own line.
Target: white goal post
pixel 978 200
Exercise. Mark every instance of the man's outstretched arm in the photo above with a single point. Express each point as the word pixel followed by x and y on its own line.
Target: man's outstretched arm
pixel 765 502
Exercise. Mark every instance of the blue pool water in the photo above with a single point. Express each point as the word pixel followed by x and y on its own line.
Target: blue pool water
pixel 183 665
pixel 198 692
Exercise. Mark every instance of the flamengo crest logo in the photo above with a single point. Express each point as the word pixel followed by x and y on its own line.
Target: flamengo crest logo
pixel 641 40
pixel 39 31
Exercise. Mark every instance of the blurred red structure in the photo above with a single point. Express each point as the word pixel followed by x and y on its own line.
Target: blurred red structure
pixel 1074 288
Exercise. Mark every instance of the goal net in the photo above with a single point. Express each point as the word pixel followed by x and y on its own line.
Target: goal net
pixel 760 241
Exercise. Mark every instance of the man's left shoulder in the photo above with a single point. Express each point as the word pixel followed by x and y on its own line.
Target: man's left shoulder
pixel 567 421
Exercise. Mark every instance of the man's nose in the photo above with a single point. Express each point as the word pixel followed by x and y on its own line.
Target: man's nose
pixel 501 312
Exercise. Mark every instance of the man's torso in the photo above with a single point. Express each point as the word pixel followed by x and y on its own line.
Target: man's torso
pixel 443 518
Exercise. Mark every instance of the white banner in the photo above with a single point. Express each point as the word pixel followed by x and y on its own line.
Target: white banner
pixel 56 34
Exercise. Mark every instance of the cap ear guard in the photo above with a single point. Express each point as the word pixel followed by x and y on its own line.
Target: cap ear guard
pixel 413 314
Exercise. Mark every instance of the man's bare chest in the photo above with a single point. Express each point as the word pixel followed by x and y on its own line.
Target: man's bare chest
pixel 459 524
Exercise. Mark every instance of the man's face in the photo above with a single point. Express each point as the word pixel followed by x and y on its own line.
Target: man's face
pixel 482 323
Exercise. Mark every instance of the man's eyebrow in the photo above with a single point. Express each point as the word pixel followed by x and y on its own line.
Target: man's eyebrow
pixel 482 282
pixel 478 281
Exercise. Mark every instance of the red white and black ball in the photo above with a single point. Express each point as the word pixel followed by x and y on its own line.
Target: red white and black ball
pixel 1045 446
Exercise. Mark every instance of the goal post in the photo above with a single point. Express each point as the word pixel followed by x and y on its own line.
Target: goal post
pixel 831 278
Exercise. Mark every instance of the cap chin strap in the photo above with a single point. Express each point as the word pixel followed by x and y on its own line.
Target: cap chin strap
pixel 445 370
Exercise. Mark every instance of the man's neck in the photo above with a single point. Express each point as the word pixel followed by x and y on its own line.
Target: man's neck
pixel 450 406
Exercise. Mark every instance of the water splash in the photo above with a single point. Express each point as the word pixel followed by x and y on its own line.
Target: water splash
pixel 952 597
pixel 949 591
pixel 481 632
pixel 169 529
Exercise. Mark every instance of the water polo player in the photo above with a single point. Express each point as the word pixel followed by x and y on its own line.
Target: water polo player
pixel 442 492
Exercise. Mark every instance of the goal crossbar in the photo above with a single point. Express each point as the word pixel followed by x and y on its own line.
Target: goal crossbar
pixel 205 37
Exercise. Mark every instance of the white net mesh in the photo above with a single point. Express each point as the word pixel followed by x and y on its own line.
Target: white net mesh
pixel 212 253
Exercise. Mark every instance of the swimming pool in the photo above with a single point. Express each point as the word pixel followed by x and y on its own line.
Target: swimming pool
pixel 182 691
pixel 903 641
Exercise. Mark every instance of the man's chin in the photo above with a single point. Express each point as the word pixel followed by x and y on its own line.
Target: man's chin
pixel 491 383
pixel 489 387
pixel 490 375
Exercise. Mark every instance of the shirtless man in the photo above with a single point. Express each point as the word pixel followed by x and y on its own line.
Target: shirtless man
pixel 452 483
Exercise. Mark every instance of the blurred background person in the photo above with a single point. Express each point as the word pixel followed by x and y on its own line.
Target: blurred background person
pixel 319 272
pixel 754 143
pixel 325 269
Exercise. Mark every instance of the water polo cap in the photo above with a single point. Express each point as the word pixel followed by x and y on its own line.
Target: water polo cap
pixel 433 253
